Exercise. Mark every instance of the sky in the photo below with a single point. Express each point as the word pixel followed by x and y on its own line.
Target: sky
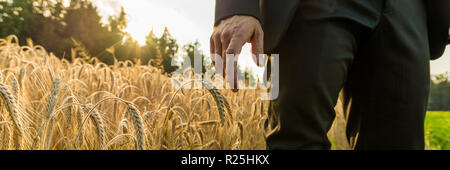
pixel 191 20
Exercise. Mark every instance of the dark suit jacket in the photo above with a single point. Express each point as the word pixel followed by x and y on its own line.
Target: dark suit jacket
pixel 275 16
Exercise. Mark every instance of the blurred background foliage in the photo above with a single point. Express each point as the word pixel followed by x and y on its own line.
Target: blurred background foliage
pixel 440 93
pixel 75 29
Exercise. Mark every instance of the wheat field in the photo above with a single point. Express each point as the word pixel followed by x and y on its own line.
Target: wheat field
pixel 49 103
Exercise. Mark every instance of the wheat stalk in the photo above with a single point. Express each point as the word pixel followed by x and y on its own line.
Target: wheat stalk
pixel 21 74
pixel 69 112
pixel 15 87
pixel 99 125
pixel 11 106
pixel 50 107
pixel 138 125
pixel 221 102
pixel 80 128
pixel 123 128
pixel 148 115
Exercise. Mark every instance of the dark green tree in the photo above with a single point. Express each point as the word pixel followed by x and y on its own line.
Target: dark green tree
pixel 194 48
pixel 129 49
pixel 39 20
pixel 151 55
pixel 168 48
pixel 117 24
pixel 60 28
pixel 83 23
pixel 440 93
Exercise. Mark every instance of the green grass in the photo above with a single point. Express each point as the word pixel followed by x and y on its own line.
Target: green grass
pixel 437 131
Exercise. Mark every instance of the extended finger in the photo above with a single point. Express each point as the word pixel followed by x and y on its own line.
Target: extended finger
pixel 235 49
pixel 236 83
pixel 218 50
pixel 235 45
pixel 211 50
pixel 217 44
pixel 258 47
pixel 225 41
pixel 231 74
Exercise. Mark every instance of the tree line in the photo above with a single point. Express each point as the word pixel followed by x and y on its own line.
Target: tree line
pixel 76 29
pixel 440 93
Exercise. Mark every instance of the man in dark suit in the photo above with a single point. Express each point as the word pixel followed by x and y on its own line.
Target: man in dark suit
pixel 378 50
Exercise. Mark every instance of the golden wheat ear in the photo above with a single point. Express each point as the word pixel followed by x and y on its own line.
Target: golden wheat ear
pixel 10 102
pixel 99 125
pixel 221 101
pixel 138 125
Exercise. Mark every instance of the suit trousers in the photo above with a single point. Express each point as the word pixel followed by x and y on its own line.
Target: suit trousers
pixel 383 67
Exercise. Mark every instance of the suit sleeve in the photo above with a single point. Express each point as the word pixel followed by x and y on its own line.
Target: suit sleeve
pixel 227 8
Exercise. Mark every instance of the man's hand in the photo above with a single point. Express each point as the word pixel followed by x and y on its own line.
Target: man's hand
pixel 230 35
